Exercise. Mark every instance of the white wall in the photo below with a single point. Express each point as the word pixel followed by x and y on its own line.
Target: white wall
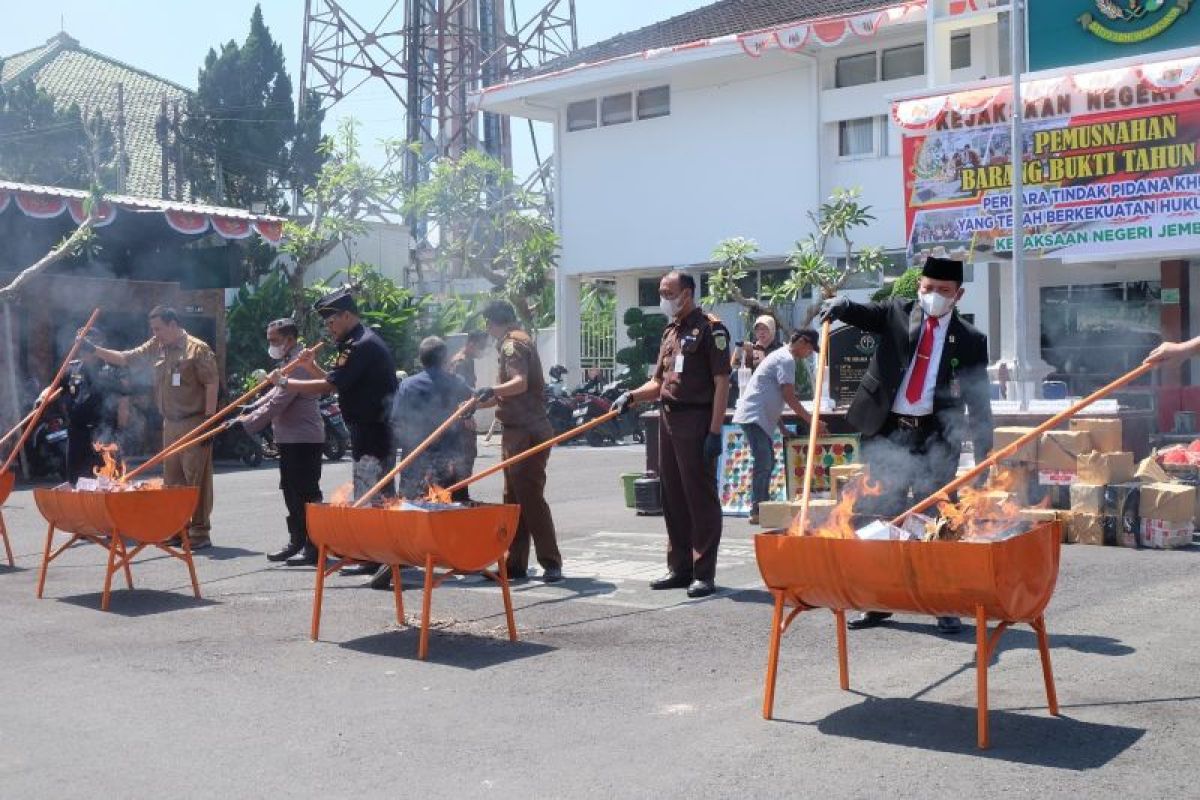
pixel 382 245
pixel 734 157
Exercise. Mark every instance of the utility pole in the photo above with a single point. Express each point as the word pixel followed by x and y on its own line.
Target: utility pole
pixel 177 151
pixel 1016 29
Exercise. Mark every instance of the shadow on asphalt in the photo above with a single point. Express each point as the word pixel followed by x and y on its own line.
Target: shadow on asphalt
pixel 1035 740
pixel 220 553
pixel 139 602
pixel 1020 638
pixel 448 648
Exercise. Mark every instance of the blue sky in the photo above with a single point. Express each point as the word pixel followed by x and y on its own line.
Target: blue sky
pixel 171 37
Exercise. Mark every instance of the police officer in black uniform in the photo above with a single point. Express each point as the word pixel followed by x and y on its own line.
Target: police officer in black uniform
pixel 364 376
pixel 92 390
pixel 692 380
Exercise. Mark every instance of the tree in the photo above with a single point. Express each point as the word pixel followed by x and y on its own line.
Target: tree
pixel 46 143
pixel 834 223
pixel 645 331
pixel 488 227
pixel 242 136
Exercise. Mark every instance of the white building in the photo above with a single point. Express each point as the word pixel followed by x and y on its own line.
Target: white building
pixel 738 118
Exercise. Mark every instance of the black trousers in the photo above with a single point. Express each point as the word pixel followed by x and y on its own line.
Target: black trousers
pixel 82 458
pixel 909 464
pixel 300 481
pixel 691 504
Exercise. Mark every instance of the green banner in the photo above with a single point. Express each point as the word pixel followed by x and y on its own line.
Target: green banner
pixel 1068 32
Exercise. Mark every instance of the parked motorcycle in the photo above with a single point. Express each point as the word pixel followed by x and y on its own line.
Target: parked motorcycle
pixel 238 444
pixel 627 424
pixel 337 435
pixel 46 449
pixel 560 403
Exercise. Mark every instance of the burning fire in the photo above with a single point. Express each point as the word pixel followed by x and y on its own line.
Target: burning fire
pixel 343 495
pixel 839 524
pixel 437 494
pixel 982 514
pixel 111 469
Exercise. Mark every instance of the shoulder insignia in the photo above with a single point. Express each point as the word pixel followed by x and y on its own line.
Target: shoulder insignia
pixel 509 348
pixel 721 339
pixel 713 318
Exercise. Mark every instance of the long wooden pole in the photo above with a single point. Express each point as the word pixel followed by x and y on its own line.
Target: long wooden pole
pixel 508 462
pixel 814 425
pixel 58 376
pixel 464 408
pixel 185 441
pixel 956 484
pixel 16 428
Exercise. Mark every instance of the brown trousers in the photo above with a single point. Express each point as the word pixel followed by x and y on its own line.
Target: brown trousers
pixel 192 467
pixel 691 505
pixel 525 485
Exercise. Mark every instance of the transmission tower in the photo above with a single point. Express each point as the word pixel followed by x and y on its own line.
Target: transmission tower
pixel 432 55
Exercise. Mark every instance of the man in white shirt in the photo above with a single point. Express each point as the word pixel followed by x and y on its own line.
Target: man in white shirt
pixel 761 406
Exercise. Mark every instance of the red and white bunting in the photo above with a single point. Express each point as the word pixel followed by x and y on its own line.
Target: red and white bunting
pixel 827 32
pixel 105 213
pixel 792 38
pixel 232 228
pixel 187 222
pixel 755 44
pixel 271 230
pixel 1170 76
pixel 40 206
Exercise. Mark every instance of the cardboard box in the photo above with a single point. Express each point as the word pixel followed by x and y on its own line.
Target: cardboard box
pixel 840 475
pixel 1087 498
pixel 1060 450
pixel 1172 502
pixel 1104 468
pixel 1105 433
pixel 1019 479
pixel 1057 477
pixel 781 514
pixel 1164 535
pixel 1040 516
pixel 1150 471
pixel 1002 437
pixel 1094 529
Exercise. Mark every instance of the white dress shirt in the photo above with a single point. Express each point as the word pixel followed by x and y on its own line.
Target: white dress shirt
pixel 923 406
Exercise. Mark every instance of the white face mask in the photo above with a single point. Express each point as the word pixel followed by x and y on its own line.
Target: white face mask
pixel 276 351
pixel 934 304
pixel 670 308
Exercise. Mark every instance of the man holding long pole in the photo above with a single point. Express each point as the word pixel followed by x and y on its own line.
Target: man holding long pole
pixel 186 381
pixel 691 377
pixel 925 391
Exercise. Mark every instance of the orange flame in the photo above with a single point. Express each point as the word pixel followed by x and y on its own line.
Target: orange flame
pixel 437 494
pixel 343 495
pixel 839 524
pixel 111 468
pixel 982 513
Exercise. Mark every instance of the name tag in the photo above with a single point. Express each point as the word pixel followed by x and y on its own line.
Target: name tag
pixel 678 363
pixel 176 379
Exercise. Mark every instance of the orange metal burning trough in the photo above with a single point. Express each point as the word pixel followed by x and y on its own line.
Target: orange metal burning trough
pixel 1009 581
pixel 149 517
pixel 7 479
pixel 459 541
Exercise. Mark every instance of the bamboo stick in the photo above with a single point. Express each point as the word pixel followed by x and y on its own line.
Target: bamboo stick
pixel 508 462
pixel 956 484
pixel 464 408
pixel 58 376
pixel 182 443
pixel 15 428
pixel 814 425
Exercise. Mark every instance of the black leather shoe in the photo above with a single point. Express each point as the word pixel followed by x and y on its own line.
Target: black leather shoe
pixel 552 575
pixel 518 577
pixel 358 570
pixel 868 619
pixel 382 578
pixel 672 580
pixel 949 626
pixel 284 553
pixel 700 588
pixel 307 557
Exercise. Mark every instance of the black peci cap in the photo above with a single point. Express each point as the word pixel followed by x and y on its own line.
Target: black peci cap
pixel 332 303
pixel 942 269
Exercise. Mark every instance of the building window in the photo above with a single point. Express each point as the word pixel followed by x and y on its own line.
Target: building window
pixel 854 70
pixel 581 115
pixel 648 292
pixel 903 62
pixel 616 109
pixel 960 51
pixel 1002 40
pixel 856 137
pixel 654 102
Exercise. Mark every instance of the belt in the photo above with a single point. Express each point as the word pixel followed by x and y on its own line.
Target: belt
pixel 675 405
pixel 907 422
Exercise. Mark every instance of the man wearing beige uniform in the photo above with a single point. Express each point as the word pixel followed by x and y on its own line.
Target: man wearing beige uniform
pixel 185 390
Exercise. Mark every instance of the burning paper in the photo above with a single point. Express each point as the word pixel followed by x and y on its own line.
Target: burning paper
pixel 838 525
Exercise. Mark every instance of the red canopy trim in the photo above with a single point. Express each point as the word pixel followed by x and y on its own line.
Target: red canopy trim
pixel 187 222
pixel 271 230
pixel 104 214
pixel 232 228
pixel 40 206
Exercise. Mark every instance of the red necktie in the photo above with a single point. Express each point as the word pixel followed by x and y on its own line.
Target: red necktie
pixel 916 382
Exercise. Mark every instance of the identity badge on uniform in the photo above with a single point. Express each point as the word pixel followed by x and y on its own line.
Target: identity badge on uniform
pixel 176 379
pixel 678 363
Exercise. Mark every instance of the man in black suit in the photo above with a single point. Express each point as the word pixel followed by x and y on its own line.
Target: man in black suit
pixel 925 391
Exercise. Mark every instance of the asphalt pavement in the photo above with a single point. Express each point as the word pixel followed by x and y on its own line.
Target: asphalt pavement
pixel 613 691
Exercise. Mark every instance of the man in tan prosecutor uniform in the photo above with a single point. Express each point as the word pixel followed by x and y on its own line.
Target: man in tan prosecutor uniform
pixel 185 390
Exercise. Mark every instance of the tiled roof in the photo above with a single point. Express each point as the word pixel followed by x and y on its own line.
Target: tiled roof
pixel 73 74
pixel 716 19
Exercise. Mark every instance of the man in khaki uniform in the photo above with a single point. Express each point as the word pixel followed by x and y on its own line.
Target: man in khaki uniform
pixel 521 408
pixel 185 390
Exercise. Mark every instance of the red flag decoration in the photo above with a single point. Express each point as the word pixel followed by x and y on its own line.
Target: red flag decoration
pixel 232 228
pixel 40 206
pixel 187 222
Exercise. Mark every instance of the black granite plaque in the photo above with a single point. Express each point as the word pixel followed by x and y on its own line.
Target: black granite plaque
pixel 850 351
